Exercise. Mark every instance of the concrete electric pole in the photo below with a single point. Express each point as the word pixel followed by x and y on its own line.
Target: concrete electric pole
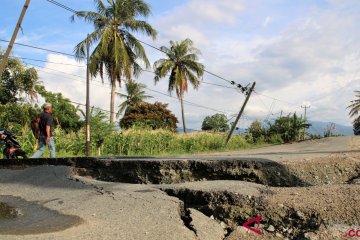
pixel 240 113
pixel 12 41
pixel 88 96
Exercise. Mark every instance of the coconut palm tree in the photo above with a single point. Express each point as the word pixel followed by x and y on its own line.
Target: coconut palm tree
pixel 355 105
pixel 117 51
pixel 183 66
pixel 135 94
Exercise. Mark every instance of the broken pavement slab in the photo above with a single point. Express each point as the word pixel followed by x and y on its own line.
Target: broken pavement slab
pixel 109 210
pixel 205 227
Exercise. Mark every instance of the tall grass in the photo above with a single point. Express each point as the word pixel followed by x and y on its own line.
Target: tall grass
pixel 138 142
pixel 162 142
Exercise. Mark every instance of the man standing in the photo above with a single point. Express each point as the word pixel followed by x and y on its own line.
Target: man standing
pixel 46 127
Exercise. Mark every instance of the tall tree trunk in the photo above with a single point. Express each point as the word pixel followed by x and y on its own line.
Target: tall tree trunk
pixel 182 112
pixel 112 98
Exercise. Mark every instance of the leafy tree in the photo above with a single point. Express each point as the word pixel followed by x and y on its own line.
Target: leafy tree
pixel 100 128
pixel 117 50
pixel 65 114
pixel 288 127
pixel 257 130
pixel 216 123
pixel 135 94
pixel 16 116
pixel 155 115
pixel 16 80
pixel 183 66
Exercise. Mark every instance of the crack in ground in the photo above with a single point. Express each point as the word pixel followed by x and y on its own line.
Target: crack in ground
pixel 98 189
pixel 185 216
pixel 235 210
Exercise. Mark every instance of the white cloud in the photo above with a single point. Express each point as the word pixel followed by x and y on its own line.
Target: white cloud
pixel 70 80
pixel 312 59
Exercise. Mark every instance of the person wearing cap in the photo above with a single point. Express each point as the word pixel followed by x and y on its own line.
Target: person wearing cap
pixel 46 127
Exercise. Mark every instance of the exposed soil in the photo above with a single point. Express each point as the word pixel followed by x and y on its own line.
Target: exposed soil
pixel 326 206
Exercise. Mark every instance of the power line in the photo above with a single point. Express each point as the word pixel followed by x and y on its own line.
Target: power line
pixel 41 69
pixel 81 77
pixel 69 64
pixel 218 85
pixel 81 104
pixel 45 61
pixel 276 99
pixel 214 84
pixel 188 102
pixel 77 76
pixel 62 6
pixel 39 48
pixel 236 85
pixel 242 88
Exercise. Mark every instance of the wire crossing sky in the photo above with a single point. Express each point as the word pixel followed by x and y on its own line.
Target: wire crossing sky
pixel 298 52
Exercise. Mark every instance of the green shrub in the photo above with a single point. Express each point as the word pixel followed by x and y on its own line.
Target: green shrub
pixel 275 139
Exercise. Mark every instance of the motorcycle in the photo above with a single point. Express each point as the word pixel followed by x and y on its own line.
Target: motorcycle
pixel 12 148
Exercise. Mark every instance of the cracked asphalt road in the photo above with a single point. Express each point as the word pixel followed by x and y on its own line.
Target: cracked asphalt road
pixel 108 210
pixel 134 211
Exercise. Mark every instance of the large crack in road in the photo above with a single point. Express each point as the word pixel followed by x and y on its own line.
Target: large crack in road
pixel 309 194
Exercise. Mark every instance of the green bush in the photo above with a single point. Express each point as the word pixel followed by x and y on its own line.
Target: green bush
pixel 216 123
pixel 154 115
pixel 275 139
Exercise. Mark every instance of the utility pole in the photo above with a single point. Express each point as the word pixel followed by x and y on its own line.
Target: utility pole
pixel 240 113
pixel 305 107
pixel 88 96
pixel 11 43
pixel 302 137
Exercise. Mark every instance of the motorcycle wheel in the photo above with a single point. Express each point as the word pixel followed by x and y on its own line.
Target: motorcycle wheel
pixel 19 153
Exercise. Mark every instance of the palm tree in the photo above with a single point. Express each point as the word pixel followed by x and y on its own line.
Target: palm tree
pixel 117 51
pixel 183 66
pixel 355 105
pixel 135 95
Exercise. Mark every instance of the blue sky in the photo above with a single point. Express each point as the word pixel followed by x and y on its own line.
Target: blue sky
pixel 300 52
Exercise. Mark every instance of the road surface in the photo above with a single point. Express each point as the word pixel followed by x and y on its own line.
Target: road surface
pixel 109 210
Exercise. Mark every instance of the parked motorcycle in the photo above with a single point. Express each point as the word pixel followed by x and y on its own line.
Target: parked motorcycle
pixel 12 146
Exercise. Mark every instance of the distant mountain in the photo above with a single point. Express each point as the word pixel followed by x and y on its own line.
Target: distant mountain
pixel 319 128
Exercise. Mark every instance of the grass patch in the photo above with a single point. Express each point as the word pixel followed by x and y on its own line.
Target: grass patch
pixel 140 142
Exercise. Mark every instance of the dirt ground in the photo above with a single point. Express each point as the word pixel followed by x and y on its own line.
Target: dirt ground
pixel 327 208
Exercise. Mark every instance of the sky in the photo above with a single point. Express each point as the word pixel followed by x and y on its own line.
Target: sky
pixel 299 52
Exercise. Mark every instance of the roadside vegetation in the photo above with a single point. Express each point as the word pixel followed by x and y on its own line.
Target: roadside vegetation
pixel 139 141
pixel 143 128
